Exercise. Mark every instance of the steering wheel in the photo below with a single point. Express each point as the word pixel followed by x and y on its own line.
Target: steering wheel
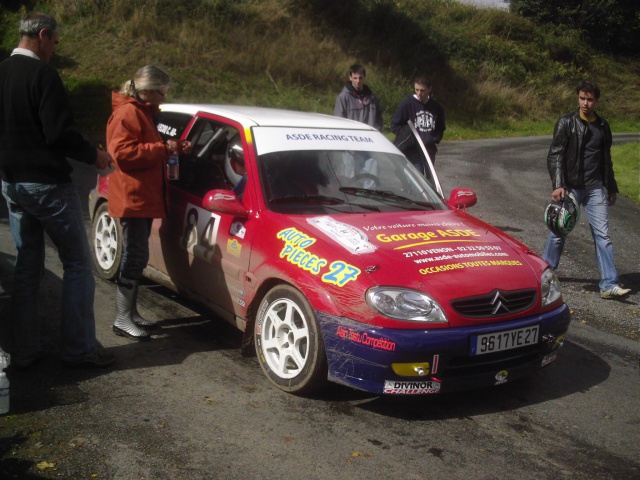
pixel 367 176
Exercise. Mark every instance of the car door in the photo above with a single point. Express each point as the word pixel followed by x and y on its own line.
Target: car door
pixel 206 254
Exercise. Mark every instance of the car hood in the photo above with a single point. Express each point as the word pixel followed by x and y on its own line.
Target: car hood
pixel 447 254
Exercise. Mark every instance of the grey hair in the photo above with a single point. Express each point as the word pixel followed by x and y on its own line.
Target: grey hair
pixel 33 23
pixel 148 77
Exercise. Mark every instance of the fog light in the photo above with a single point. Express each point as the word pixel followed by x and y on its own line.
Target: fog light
pixel 411 369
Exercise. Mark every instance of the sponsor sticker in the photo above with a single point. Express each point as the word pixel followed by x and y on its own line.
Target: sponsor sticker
pixel 239 301
pixel 234 247
pixel 295 251
pixel 551 357
pixel 279 139
pixel 167 130
pixel 436 361
pixel 501 377
pixel 237 229
pixel 237 290
pixel 346 235
pixel 363 338
pixel 397 387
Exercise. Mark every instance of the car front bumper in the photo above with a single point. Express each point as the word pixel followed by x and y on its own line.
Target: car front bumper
pixel 392 361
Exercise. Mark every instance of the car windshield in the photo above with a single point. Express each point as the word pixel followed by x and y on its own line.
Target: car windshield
pixel 343 181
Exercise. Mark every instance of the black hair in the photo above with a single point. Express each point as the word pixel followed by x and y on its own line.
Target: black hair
pixel 423 79
pixel 588 87
pixel 356 68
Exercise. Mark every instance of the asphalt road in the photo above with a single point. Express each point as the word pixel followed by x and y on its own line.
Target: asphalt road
pixel 188 406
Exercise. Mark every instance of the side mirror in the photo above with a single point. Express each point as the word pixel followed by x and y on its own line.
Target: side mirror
pixel 462 198
pixel 224 201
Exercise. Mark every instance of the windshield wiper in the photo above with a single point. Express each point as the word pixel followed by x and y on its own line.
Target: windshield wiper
pixel 369 192
pixel 313 199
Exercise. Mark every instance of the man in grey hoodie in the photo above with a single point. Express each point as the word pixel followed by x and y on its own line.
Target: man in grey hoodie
pixel 356 100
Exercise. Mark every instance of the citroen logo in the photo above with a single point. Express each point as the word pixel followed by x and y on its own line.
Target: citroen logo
pixel 497 303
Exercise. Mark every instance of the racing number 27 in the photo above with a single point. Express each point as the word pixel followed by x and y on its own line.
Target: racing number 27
pixel 340 273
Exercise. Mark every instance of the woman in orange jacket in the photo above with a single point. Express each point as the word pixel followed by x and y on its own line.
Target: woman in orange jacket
pixel 136 188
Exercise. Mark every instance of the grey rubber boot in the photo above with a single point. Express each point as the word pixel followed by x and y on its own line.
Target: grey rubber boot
pixel 135 316
pixel 125 305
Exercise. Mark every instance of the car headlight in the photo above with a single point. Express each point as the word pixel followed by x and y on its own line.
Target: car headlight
pixel 405 304
pixel 550 287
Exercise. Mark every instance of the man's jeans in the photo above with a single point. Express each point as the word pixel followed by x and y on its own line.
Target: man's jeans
pixel 597 209
pixel 34 209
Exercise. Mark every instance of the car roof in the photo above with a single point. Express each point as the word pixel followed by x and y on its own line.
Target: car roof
pixel 267 117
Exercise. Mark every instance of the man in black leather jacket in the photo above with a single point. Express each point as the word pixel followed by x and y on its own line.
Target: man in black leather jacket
pixel 579 163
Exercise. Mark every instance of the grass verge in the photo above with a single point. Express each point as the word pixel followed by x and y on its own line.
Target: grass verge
pixel 626 165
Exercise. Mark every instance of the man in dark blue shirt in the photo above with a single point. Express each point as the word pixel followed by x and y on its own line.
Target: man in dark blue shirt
pixel 427 116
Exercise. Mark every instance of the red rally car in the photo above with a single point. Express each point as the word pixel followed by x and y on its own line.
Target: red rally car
pixel 338 260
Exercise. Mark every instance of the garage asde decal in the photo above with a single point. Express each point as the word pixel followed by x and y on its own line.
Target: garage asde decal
pixel 449 235
pixel 295 252
pixel 475 253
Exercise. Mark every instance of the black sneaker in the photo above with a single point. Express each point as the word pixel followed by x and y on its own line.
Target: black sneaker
pixel 28 361
pixel 98 358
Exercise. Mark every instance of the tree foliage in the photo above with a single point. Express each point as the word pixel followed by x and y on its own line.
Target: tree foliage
pixel 610 25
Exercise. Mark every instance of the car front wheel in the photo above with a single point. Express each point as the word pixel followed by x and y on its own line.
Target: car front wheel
pixel 289 343
pixel 106 242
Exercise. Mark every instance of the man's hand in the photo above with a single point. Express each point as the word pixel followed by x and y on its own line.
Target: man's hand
pixel 181 147
pixel 612 199
pixel 103 159
pixel 558 194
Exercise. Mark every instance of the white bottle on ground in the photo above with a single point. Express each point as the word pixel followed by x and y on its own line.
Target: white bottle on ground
pixel 4 393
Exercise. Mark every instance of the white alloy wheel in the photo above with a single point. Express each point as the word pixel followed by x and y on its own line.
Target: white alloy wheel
pixel 107 243
pixel 288 342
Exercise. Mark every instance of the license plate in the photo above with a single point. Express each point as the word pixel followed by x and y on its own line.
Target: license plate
pixel 507 340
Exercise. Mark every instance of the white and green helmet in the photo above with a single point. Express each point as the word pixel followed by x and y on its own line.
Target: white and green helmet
pixel 562 216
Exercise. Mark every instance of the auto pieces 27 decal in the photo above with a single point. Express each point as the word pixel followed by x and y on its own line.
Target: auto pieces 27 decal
pixel 295 251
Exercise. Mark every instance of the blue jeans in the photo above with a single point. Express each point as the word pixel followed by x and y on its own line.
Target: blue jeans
pixel 135 246
pixel 596 207
pixel 36 208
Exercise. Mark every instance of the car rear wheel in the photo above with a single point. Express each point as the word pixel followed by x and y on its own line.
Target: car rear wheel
pixel 288 342
pixel 107 243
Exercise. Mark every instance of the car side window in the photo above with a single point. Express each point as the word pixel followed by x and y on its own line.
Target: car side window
pixel 172 125
pixel 202 169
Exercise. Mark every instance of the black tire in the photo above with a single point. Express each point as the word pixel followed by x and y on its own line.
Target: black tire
pixel 288 342
pixel 106 242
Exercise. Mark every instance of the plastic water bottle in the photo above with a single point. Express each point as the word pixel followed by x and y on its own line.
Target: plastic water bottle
pixel 4 393
pixel 4 382
pixel 173 166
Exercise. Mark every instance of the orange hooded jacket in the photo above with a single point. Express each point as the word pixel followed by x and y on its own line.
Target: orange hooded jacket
pixel 136 188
